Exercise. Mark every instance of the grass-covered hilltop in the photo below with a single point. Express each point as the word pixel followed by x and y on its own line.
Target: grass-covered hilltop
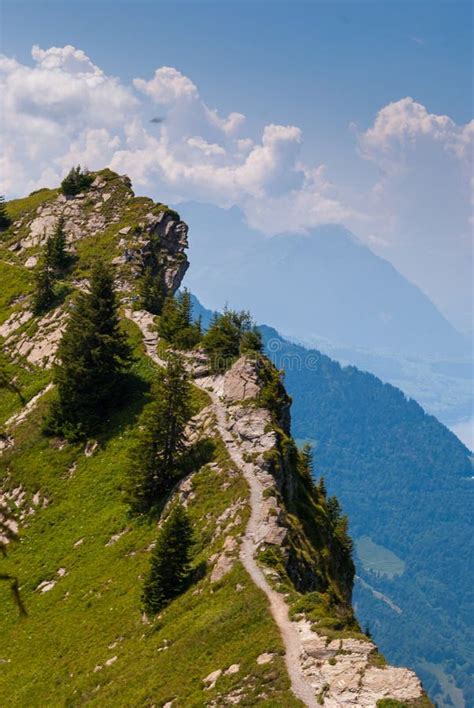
pixel 160 528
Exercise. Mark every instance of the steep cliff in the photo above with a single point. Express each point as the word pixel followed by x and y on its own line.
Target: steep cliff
pixel 268 618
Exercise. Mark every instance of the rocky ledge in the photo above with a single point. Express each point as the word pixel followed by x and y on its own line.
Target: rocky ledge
pixel 140 233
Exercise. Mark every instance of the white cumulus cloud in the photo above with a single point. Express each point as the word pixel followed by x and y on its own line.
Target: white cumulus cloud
pixel 63 110
pixel 420 205
pixel 49 108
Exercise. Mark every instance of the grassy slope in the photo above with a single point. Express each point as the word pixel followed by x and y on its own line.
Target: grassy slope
pixel 52 654
pixel 93 613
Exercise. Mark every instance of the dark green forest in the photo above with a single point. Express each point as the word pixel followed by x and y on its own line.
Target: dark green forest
pixel 406 481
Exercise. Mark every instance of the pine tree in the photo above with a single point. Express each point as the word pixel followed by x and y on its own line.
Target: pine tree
pixel 169 319
pixel 185 308
pixel 176 324
pixel 5 220
pixel 55 252
pixel 322 487
pixel 151 292
pixel 170 563
pixel 189 333
pixel 306 461
pixel 76 181
pixel 229 335
pixel 43 295
pixel 157 457
pixel 334 509
pixel 251 342
pixel 93 355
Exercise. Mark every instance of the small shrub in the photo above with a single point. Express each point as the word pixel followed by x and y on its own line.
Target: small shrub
pixel 229 335
pixel 5 220
pixel 76 181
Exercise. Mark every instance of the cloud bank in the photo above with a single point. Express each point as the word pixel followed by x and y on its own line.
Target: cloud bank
pixel 64 110
pixel 421 204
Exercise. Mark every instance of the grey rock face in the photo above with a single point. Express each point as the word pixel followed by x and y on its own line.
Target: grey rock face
pixel 157 241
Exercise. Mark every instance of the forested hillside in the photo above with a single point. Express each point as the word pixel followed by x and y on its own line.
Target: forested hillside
pixel 406 482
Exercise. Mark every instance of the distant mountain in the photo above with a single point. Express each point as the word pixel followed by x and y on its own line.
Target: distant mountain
pixel 325 286
pixel 407 484
pixel 330 292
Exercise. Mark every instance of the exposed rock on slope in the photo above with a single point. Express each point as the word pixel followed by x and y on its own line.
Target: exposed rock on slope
pixel 107 220
pixel 270 554
pixel 338 672
pixel 142 234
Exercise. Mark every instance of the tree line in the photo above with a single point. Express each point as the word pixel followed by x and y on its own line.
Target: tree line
pixel 92 363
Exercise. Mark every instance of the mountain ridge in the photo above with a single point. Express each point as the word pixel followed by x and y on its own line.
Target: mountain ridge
pixel 327 265
pixel 82 556
pixel 359 427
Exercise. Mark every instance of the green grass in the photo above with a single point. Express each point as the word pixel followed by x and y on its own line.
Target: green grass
pixel 49 658
pixel 17 208
pixel 16 283
pixel 30 379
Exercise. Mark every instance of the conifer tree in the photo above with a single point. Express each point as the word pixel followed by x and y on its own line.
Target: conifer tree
pixel 251 342
pixel 340 524
pixel 170 563
pixel 56 255
pixel 322 487
pixel 157 457
pixel 189 332
pixel 185 308
pixel 5 220
pixel 77 180
pixel 169 319
pixel 334 509
pixel 93 355
pixel 43 295
pixel 229 335
pixel 176 325
pixel 151 292
pixel 306 461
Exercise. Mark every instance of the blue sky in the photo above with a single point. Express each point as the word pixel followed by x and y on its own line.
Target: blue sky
pixel 327 68
pixel 322 64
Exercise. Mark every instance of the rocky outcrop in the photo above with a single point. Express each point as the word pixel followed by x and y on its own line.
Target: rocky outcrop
pixel 145 235
pixel 158 243
pixel 84 215
pixel 338 672
pixel 343 673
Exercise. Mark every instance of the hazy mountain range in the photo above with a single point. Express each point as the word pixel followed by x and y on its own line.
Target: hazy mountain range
pixel 328 290
pixel 406 483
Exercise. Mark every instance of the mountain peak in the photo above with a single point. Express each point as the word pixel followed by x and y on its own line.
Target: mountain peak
pixel 271 552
